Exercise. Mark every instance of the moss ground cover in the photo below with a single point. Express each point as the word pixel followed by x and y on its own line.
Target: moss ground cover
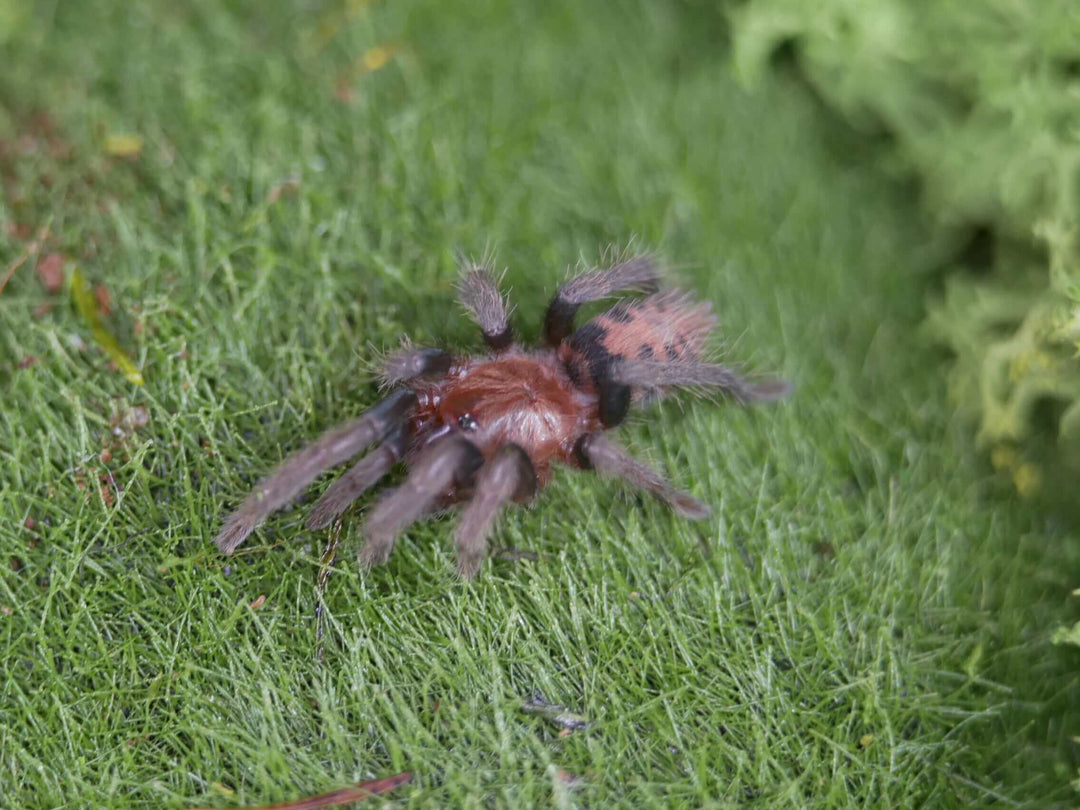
pixel 265 195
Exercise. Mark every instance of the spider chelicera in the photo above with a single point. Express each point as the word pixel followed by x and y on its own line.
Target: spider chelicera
pixel 485 430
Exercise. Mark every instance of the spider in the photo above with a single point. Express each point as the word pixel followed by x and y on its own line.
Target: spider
pixel 484 431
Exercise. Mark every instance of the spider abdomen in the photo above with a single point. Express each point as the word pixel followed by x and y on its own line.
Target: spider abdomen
pixel 668 327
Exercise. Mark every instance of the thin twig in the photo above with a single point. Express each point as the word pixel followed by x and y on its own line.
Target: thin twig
pixel 559 715
pixel 336 798
pixel 15 265
pixel 326 565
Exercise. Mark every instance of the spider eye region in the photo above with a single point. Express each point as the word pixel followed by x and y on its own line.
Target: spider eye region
pixel 467 422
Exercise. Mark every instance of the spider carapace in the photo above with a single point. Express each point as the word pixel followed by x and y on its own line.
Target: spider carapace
pixel 484 430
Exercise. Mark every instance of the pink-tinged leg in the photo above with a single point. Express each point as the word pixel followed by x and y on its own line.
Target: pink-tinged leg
pixel 332 448
pixel 594 451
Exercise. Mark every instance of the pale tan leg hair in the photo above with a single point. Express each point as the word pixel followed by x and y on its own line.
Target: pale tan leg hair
pixel 594 451
pixel 508 476
pixel 448 462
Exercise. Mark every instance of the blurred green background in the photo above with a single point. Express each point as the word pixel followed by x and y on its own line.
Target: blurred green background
pixel 979 103
pixel 256 198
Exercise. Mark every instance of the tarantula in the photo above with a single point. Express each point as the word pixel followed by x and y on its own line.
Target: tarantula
pixel 485 430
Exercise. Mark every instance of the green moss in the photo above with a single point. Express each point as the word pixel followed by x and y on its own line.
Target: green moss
pixel 982 101
pixel 869 628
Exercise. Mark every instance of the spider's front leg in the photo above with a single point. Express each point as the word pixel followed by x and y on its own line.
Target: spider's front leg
pixel 410 364
pixel 361 477
pixel 333 448
pixel 446 463
pixel 401 366
pixel 508 476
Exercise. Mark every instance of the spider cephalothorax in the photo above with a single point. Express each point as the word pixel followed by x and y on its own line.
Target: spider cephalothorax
pixel 485 430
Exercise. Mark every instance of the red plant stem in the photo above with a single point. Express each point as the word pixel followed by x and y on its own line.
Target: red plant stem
pixel 336 798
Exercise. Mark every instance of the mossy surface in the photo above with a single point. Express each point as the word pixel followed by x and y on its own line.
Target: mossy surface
pixel 268 194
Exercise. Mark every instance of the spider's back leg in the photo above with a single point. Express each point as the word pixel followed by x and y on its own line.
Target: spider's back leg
pixel 668 327
pixel 639 272
pixel 479 294
pixel 594 451
pixel 654 375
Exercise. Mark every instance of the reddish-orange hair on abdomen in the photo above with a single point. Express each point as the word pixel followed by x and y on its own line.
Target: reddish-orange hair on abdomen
pixel 667 327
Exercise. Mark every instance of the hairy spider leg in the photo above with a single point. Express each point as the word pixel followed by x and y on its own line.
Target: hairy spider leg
pixel 332 448
pixel 479 294
pixel 508 476
pixel 361 477
pixel 445 463
pixel 650 374
pixel 639 272
pixel 595 452
pixel 410 364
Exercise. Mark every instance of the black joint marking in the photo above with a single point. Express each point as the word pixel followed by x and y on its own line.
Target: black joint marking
pixel 527 483
pixel 614 402
pixel 589 335
pixel 559 320
pixel 471 462
pixel 671 352
pixel 581 452
pixel 500 340
pixel 588 342
pixel 645 352
pixel 397 442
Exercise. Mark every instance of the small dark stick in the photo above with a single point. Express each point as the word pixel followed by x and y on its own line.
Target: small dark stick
pixel 326 566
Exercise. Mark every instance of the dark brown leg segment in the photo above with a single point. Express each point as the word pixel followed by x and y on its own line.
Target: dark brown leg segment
pixel 508 476
pixel 449 462
pixel 409 364
pixel 480 295
pixel 594 451
pixel 333 448
pixel 614 401
pixel 639 272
